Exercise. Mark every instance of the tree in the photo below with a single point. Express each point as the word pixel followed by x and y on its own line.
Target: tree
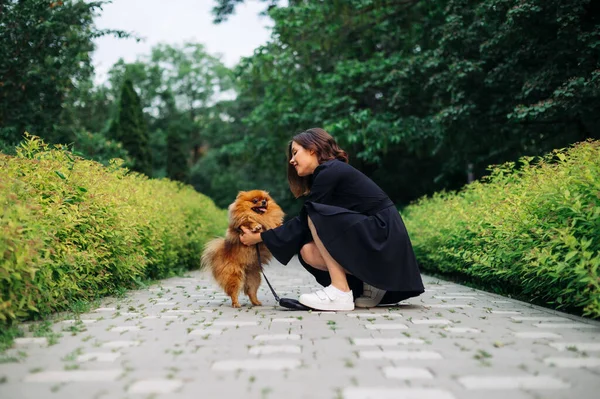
pixel 45 47
pixel 421 92
pixel 130 129
pixel 225 8
pixel 176 84
pixel 177 156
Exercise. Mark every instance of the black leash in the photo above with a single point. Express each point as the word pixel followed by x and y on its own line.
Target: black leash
pixel 284 302
pixel 263 273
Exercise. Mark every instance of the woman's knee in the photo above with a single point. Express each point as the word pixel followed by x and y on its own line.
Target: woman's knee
pixel 308 252
pixel 311 255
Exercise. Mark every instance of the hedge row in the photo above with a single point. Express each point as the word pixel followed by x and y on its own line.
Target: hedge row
pixel 531 230
pixel 72 229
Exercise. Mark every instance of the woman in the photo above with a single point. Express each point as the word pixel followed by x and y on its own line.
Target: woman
pixel 349 234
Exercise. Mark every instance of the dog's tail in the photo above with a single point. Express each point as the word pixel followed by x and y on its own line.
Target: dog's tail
pixel 213 250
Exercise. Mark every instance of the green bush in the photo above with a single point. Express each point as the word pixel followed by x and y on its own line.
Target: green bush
pixel 530 230
pixel 72 229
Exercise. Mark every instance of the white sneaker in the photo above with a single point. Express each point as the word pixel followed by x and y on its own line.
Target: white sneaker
pixel 329 298
pixel 370 297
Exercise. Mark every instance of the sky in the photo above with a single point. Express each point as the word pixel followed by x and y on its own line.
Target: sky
pixel 174 22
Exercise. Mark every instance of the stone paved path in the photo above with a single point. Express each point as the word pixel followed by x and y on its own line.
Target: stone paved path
pixel 181 339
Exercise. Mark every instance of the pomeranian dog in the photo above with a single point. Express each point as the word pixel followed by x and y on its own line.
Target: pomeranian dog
pixel 233 264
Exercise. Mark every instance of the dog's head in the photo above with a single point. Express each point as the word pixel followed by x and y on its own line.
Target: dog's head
pixel 256 201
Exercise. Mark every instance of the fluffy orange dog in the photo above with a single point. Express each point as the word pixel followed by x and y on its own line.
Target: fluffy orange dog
pixel 233 264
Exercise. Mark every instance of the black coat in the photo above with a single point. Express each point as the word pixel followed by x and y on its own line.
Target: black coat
pixel 360 227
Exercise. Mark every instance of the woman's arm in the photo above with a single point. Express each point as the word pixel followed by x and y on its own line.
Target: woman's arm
pixel 284 241
pixel 248 237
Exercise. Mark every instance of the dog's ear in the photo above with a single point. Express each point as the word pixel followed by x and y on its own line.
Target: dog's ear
pixel 240 193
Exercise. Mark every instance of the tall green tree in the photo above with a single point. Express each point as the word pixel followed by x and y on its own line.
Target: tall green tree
pixel 177 153
pixel 176 83
pixel 130 129
pixel 45 47
pixel 422 92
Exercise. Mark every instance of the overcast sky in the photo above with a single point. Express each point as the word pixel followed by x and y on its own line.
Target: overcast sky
pixel 176 21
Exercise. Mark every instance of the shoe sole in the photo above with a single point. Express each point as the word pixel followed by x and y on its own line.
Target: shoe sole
pixel 349 307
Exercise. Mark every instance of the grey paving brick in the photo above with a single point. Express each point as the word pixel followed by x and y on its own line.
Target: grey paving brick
pixel 182 339
pixel 396 393
pixel 512 382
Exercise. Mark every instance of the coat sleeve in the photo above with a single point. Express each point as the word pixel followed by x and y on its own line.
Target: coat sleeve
pixel 286 240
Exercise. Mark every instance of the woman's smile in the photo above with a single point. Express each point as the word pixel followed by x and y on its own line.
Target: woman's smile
pixel 304 161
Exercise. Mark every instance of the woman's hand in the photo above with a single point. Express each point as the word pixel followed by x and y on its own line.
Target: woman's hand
pixel 249 238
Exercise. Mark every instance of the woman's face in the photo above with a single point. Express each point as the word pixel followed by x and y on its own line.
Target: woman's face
pixel 305 161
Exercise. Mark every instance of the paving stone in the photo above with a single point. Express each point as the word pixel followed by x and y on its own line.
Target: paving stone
pixel 512 382
pixel 399 355
pixel 386 341
pixel 270 349
pixel 155 386
pixel 257 364
pixel 505 312
pixel 84 321
pixel 375 315
pixel 74 376
pixel 454 297
pixel 277 337
pixel 235 323
pixel 207 332
pixel 462 330
pixel 537 335
pixel 376 326
pixel 579 346
pixel 569 362
pixel 461 293
pixel 564 325
pixel 448 305
pixel 191 337
pixel 407 373
pixel 538 318
pixel 396 393
pixel 30 341
pixel 285 320
pixel 430 321
pixel 120 344
pixel 98 357
pixel 125 328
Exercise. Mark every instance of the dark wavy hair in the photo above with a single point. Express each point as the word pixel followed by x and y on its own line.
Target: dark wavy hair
pixel 324 145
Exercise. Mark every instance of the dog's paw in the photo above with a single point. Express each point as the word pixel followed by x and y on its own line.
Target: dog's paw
pixel 257 228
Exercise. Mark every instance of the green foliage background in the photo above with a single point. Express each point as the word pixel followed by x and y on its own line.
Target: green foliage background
pixel 73 229
pixel 424 95
pixel 529 230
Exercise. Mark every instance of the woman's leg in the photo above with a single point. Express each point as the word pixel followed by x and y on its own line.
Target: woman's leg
pixel 311 255
pixel 336 271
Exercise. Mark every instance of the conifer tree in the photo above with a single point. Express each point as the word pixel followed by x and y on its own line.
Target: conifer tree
pixel 177 165
pixel 129 127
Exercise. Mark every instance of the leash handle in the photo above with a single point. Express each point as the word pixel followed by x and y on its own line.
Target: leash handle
pixel 263 273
